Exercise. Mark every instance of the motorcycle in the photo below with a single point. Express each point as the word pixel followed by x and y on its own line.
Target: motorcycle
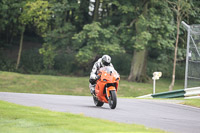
pixel 106 87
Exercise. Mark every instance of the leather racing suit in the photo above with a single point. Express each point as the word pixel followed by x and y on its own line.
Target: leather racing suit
pixel 93 75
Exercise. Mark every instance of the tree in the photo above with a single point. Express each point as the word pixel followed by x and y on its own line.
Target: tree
pixel 194 17
pixel 94 40
pixel 138 67
pixel 82 14
pixel 62 28
pixel 56 40
pixel 63 11
pixel 97 38
pixel 96 10
pixel 35 12
pixel 150 26
pixel 9 25
pixel 181 8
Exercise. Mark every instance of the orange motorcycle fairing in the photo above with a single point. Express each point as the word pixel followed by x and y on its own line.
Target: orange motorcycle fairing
pixel 108 82
pixel 110 89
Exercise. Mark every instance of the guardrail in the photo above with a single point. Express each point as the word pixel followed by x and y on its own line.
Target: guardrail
pixel 170 94
pixel 187 93
pixel 192 91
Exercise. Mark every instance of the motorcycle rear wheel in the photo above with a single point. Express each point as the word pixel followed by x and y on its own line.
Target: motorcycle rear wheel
pixel 112 100
pixel 97 102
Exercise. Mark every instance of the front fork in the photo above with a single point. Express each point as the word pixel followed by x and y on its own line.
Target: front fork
pixel 108 89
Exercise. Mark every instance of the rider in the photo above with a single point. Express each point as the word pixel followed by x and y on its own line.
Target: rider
pixel 105 60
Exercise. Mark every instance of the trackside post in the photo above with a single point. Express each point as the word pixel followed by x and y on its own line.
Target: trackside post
pixel 156 76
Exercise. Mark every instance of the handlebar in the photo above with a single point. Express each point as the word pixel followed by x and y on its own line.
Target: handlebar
pixel 98 77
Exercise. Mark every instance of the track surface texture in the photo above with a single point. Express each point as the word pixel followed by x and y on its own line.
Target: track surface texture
pixel 166 114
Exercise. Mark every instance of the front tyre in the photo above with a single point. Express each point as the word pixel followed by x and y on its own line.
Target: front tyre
pixel 97 102
pixel 112 99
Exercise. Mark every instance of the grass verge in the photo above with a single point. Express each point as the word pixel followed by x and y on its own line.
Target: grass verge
pixel 21 119
pixel 24 83
pixel 192 102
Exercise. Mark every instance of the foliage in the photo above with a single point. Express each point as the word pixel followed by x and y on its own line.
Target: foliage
pixel 181 9
pixel 195 18
pixel 48 55
pixel 61 37
pixel 72 39
pixel 62 12
pixel 6 64
pixel 161 25
pixel 144 38
pixel 56 39
pixel 165 67
pixel 31 61
pixel 37 12
pixel 122 63
pixel 65 65
pixel 95 40
pixel 9 24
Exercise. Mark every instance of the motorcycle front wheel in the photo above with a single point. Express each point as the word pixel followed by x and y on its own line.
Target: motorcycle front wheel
pixel 97 102
pixel 112 99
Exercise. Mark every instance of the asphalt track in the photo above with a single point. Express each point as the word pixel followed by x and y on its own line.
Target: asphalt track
pixel 165 115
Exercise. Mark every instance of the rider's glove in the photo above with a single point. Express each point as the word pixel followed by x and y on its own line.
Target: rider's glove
pixel 92 81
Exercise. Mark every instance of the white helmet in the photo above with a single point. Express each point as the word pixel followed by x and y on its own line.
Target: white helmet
pixel 106 60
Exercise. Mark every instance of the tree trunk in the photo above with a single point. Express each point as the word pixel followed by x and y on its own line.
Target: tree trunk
pixel 96 10
pixel 72 16
pixel 138 65
pixel 67 16
pixel 175 54
pixel 20 47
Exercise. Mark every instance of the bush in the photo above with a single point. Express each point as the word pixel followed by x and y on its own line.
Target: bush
pixel 166 68
pixel 180 70
pixel 66 64
pixel 31 61
pixel 122 63
pixel 49 72
pixel 6 64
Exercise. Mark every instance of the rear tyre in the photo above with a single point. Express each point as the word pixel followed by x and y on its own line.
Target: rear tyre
pixel 112 100
pixel 97 102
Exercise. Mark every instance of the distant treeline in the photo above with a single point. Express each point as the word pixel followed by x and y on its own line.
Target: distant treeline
pixel 139 35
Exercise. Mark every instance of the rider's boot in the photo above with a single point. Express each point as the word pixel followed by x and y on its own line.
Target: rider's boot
pixel 92 89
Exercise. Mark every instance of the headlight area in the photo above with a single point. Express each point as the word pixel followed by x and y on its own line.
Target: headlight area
pixel 105 80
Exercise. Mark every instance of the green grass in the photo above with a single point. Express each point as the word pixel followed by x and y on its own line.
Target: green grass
pixel 133 89
pixel 192 102
pixel 15 82
pixel 20 119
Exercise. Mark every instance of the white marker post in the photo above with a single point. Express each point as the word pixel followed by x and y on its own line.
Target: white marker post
pixel 156 76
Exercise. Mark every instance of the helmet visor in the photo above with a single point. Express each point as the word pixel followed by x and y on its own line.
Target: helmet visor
pixel 105 63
